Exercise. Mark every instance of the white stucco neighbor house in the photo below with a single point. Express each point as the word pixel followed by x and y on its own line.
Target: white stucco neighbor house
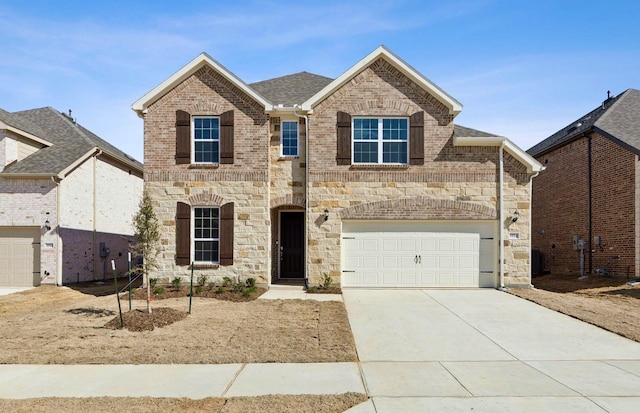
pixel 67 199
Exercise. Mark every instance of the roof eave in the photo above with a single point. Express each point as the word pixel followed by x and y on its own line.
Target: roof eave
pixel 141 105
pixel 25 134
pixel 533 166
pixel 454 106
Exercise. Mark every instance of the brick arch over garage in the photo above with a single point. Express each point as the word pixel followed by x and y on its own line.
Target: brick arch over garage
pixel 420 208
pixel 206 199
pixel 288 200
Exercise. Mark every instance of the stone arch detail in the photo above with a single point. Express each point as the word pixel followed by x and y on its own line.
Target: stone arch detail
pixel 206 199
pixel 420 208
pixel 370 106
pixel 205 108
pixel 288 200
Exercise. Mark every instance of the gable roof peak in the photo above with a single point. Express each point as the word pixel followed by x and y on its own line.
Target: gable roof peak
pixel 202 60
pixel 383 52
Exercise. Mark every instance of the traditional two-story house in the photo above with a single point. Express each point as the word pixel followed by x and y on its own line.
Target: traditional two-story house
pixel 364 178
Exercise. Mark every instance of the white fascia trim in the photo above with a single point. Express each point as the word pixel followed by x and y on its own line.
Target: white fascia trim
pixel 533 166
pixel 203 59
pixel 95 151
pixel 454 106
pixel 24 134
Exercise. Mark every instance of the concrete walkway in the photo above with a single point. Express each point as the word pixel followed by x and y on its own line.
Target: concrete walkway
pixel 486 351
pixel 420 350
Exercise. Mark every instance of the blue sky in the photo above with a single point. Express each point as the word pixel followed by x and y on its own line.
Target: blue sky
pixel 522 69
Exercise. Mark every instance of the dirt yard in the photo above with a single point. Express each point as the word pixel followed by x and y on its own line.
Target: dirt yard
pixel 606 302
pixel 52 325
pixel 59 325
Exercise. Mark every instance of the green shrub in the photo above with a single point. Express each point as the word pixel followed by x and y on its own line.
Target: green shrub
pixel 248 292
pixel 153 282
pixel 158 290
pixel 176 283
pixel 221 290
pixel 326 281
pixel 251 282
pixel 227 282
pixel 199 289
pixel 202 280
pixel 238 287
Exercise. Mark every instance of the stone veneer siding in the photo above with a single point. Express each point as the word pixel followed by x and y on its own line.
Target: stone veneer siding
pixel 245 182
pixel 464 175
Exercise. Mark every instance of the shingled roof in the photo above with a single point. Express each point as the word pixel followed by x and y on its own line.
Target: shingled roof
pixel 70 142
pixel 618 118
pixel 292 89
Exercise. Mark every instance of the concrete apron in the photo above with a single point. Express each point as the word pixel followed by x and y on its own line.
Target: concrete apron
pixel 486 350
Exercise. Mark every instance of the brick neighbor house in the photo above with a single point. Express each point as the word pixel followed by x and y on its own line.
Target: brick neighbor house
pixel 64 192
pixel 364 178
pixel 586 201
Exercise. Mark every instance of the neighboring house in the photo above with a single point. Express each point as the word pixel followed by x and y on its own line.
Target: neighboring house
pixel 364 178
pixel 586 201
pixel 64 193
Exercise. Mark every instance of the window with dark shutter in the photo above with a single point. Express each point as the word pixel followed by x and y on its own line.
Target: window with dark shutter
pixel 226 137
pixel 416 139
pixel 183 137
pixel 226 234
pixel 343 127
pixel 183 234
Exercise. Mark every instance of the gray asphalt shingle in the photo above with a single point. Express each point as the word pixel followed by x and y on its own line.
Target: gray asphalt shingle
pixel 70 142
pixel 292 89
pixel 617 117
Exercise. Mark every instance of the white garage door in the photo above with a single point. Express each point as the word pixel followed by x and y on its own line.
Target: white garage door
pixel 410 254
pixel 19 257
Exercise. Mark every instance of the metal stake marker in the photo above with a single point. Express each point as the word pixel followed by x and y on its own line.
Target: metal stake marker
pixel 129 272
pixel 191 288
pixel 115 277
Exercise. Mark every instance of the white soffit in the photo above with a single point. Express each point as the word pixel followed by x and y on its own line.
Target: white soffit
pixel 178 77
pixel 454 106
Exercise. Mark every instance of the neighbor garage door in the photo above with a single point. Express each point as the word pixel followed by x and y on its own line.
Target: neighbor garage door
pixel 19 256
pixel 426 254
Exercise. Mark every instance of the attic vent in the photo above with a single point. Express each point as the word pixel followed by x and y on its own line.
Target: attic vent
pixel 571 129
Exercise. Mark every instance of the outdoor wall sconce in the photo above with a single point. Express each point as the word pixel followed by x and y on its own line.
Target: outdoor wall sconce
pixel 47 224
pixel 516 215
pixel 326 214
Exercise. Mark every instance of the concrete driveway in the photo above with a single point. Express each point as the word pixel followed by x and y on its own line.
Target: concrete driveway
pixel 486 351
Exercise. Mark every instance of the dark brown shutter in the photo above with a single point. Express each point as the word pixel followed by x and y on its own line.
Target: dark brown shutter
pixel 183 137
pixel 183 234
pixel 226 137
pixel 416 139
pixel 226 234
pixel 343 127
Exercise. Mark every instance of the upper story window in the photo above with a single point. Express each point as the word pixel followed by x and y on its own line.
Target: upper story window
pixel 206 139
pixel 380 140
pixel 289 138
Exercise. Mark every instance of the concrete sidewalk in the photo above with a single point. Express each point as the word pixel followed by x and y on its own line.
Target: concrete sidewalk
pixel 194 381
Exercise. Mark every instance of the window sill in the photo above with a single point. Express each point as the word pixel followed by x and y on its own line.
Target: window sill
pixel 205 266
pixel 378 166
pixel 288 158
pixel 204 166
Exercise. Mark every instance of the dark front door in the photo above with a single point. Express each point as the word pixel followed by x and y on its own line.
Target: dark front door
pixel 292 245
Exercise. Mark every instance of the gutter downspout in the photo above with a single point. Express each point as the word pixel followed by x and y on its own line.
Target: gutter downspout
pixel 58 237
pixel 590 204
pixel 306 193
pixel 501 195
pixel 95 196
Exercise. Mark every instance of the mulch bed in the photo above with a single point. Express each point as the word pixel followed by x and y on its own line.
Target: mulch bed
pixel 140 320
pixel 330 290
pixel 170 292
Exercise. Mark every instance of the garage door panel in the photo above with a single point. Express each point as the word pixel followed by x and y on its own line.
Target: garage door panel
pixel 413 258
pixel 19 256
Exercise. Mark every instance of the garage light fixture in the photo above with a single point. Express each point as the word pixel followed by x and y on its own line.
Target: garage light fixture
pixel 47 224
pixel 516 215
pixel 326 214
